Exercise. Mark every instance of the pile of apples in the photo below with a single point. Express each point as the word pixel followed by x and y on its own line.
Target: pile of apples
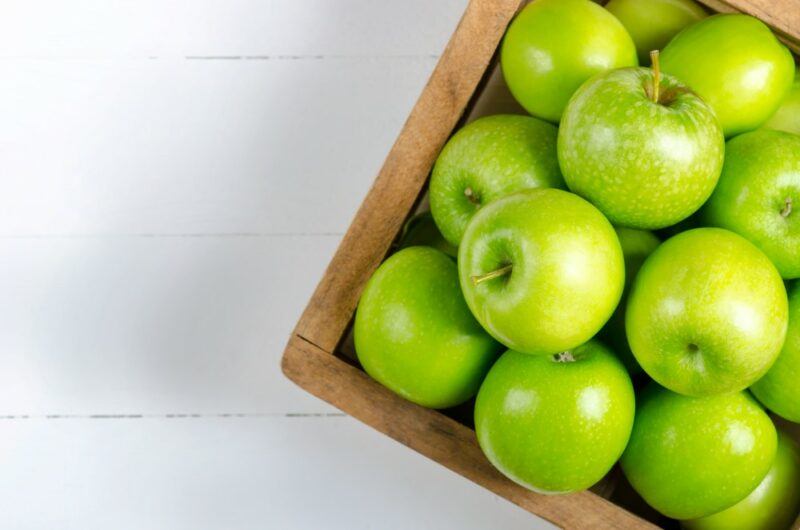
pixel 610 274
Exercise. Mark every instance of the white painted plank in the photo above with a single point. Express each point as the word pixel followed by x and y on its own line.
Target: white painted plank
pixel 153 325
pixel 233 474
pixel 115 129
pixel 179 146
pixel 142 28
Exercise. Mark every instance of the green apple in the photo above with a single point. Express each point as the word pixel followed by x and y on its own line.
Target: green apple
pixel 636 246
pixel 553 46
pixel 414 333
pixel 641 147
pixel 707 313
pixel 541 270
pixel 488 159
pixel 736 64
pixel 690 457
pixel 779 389
pixel 652 23
pixel 773 505
pixel 758 195
pixel 555 424
pixel 787 117
pixel 421 230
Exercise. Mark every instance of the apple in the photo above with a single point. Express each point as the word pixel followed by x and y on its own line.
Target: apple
pixel 553 46
pixel 421 230
pixel 779 389
pixel 707 313
pixel 636 246
pixel 555 424
pixel 488 159
pixel 787 117
pixel 758 195
pixel 414 334
pixel 641 147
pixel 736 64
pixel 774 504
pixel 652 23
pixel 541 270
pixel 689 457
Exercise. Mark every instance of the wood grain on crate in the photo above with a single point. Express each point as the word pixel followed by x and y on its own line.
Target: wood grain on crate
pixel 405 170
pixel 309 358
pixel 782 15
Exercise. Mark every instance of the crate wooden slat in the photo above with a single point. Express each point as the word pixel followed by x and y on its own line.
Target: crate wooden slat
pixel 782 15
pixel 380 217
pixel 438 437
pixel 311 359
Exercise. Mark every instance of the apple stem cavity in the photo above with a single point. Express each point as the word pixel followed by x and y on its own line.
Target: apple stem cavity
pixel 502 271
pixel 564 357
pixel 787 208
pixel 656 65
pixel 471 196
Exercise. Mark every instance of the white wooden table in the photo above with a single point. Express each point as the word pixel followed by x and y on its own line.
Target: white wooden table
pixel 175 176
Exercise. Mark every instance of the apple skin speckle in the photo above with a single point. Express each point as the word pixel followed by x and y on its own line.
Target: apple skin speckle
pixel 567 270
pixel 555 427
pixel 773 504
pixel 736 64
pixel 707 314
pixel 489 159
pixel 761 175
pixel 779 390
pixel 692 457
pixel 553 46
pixel 414 333
pixel 645 165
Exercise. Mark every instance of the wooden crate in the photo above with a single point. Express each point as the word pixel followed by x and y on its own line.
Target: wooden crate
pixel 318 356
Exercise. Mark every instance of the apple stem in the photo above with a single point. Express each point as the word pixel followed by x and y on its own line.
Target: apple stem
pixel 787 208
pixel 471 196
pixel 656 65
pixel 502 271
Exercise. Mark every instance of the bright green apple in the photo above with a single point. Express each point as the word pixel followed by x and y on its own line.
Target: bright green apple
pixel 758 195
pixel 787 117
pixel 646 158
pixel 736 64
pixel 488 159
pixel 779 389
pixel 553 46
pixel 555 424
pixel 690 457
pixel 707 313
pixel 541 270
pixel 636 246
pixel 421 230
pixel 414 333
pixel 773 505
pixel 652 23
